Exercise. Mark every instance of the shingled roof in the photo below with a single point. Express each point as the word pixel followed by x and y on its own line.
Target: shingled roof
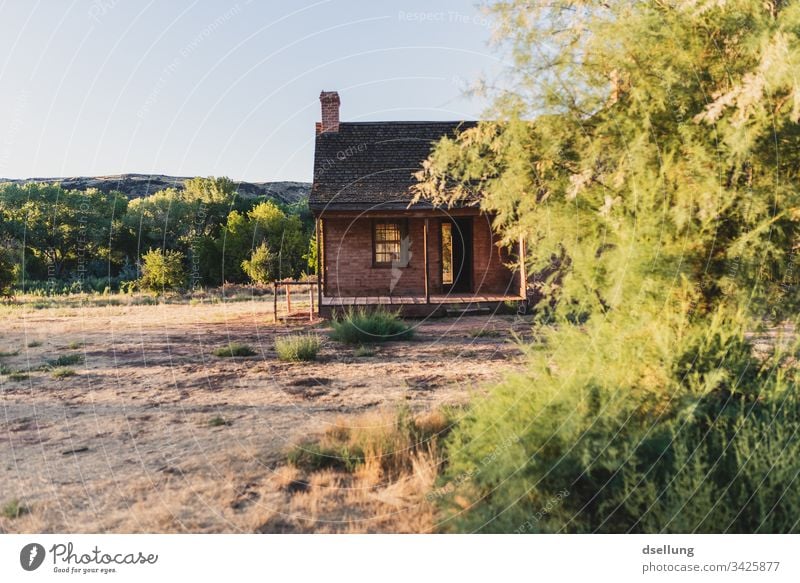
pixel 371 164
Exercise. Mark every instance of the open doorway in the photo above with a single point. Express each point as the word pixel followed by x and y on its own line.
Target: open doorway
pixel 456 238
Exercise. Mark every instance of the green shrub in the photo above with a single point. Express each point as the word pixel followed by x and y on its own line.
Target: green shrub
pixel 578 444
pixel 4 369
pixel 364 351
pixel 234 349
pixel 297 347
pixel 484 333
pixel 14 509
pixel 162 271
pixel 361 326
pixel 218 422
pixel 18 376
pixel 262 267
pixel 34 343
pixel 311 456
pixel 62 373
pixel 65 360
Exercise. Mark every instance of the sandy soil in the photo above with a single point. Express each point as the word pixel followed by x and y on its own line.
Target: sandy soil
pixel 127 443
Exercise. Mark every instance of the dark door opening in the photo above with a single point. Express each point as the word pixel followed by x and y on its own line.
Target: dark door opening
pixel 456 237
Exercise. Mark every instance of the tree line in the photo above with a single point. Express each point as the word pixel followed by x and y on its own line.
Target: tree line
pixel 57 240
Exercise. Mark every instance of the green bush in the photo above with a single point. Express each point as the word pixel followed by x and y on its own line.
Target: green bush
pixel 262 267
pixel 234 349
pixel 163 271
pixel 62 373
pixel 361 326
pixel 575 444
pixel 65 360
pixel 364 351
pixel 311 456
pixel 14 509
pixel 218 422
pixel 297 347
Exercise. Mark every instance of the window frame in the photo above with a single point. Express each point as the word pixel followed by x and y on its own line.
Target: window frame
pixel 403 255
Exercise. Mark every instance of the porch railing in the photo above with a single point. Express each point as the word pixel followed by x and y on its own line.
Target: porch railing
pixel 311 290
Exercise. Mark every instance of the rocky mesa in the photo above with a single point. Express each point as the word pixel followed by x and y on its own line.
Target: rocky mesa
pixel 139 185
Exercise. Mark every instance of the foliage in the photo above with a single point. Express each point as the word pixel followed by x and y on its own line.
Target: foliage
pixel 65 360
pixel 312 254
pixel 70 241
pixel 297 347
pixel 364 351
pixel 262 267
pixel 7 275
pixel 14 509
pixel 644 447
pixel 60 228
pixel 656 190
pixel 62 373
pixel 234 349
pixel 360 326
pixel 163 271
pixel 265 225
pixel 218 422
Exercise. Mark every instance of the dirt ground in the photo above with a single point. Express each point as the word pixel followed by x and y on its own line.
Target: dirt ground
pixel 153 433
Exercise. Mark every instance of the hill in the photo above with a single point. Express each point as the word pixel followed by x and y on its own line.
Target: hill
pixel 139 185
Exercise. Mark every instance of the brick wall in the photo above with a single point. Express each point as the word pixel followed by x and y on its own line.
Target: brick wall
pixel 349 270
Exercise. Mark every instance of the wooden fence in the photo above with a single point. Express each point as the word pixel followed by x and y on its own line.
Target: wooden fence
pixel 310 292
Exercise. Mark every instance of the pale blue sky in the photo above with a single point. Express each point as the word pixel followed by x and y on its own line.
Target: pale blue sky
pixel 201 87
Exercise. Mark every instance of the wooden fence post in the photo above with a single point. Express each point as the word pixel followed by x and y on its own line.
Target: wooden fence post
pixel 311 302
pixel 275 301
pixel 288 301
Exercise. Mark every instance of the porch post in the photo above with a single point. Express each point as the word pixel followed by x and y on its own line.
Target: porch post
pixel 319 264
pixel 425 260
pixel 523 272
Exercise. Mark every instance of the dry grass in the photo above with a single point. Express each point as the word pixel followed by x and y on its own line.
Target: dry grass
pixel 127 445
pixel 365 474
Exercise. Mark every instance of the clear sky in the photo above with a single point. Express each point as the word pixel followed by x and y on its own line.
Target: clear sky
pixel 201 87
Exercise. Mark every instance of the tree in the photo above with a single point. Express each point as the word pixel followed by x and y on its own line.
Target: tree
pixel 262 266
pixel 648 153
pixel 63 228
pixel 312 254
pixel 163 219
pixel 267 224
pixel 210 190
pixel 7 273
pixel 163 270
pixel 283 234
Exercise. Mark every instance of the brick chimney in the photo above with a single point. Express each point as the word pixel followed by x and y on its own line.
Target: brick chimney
pixel 330 112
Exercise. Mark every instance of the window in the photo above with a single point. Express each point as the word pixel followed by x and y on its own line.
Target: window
pixel 390 244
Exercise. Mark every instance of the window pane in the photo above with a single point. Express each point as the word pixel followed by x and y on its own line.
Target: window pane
pixel 387 242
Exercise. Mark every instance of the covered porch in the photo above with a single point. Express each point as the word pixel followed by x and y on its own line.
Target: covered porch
pixel 420 305
pixel 417 261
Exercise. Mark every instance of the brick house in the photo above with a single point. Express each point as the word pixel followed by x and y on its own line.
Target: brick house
pixel 375 247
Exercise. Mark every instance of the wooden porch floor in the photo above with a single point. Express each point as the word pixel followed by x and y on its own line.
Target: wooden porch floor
pixel 437 299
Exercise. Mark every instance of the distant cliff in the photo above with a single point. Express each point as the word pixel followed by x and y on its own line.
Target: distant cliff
pixel 138 185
